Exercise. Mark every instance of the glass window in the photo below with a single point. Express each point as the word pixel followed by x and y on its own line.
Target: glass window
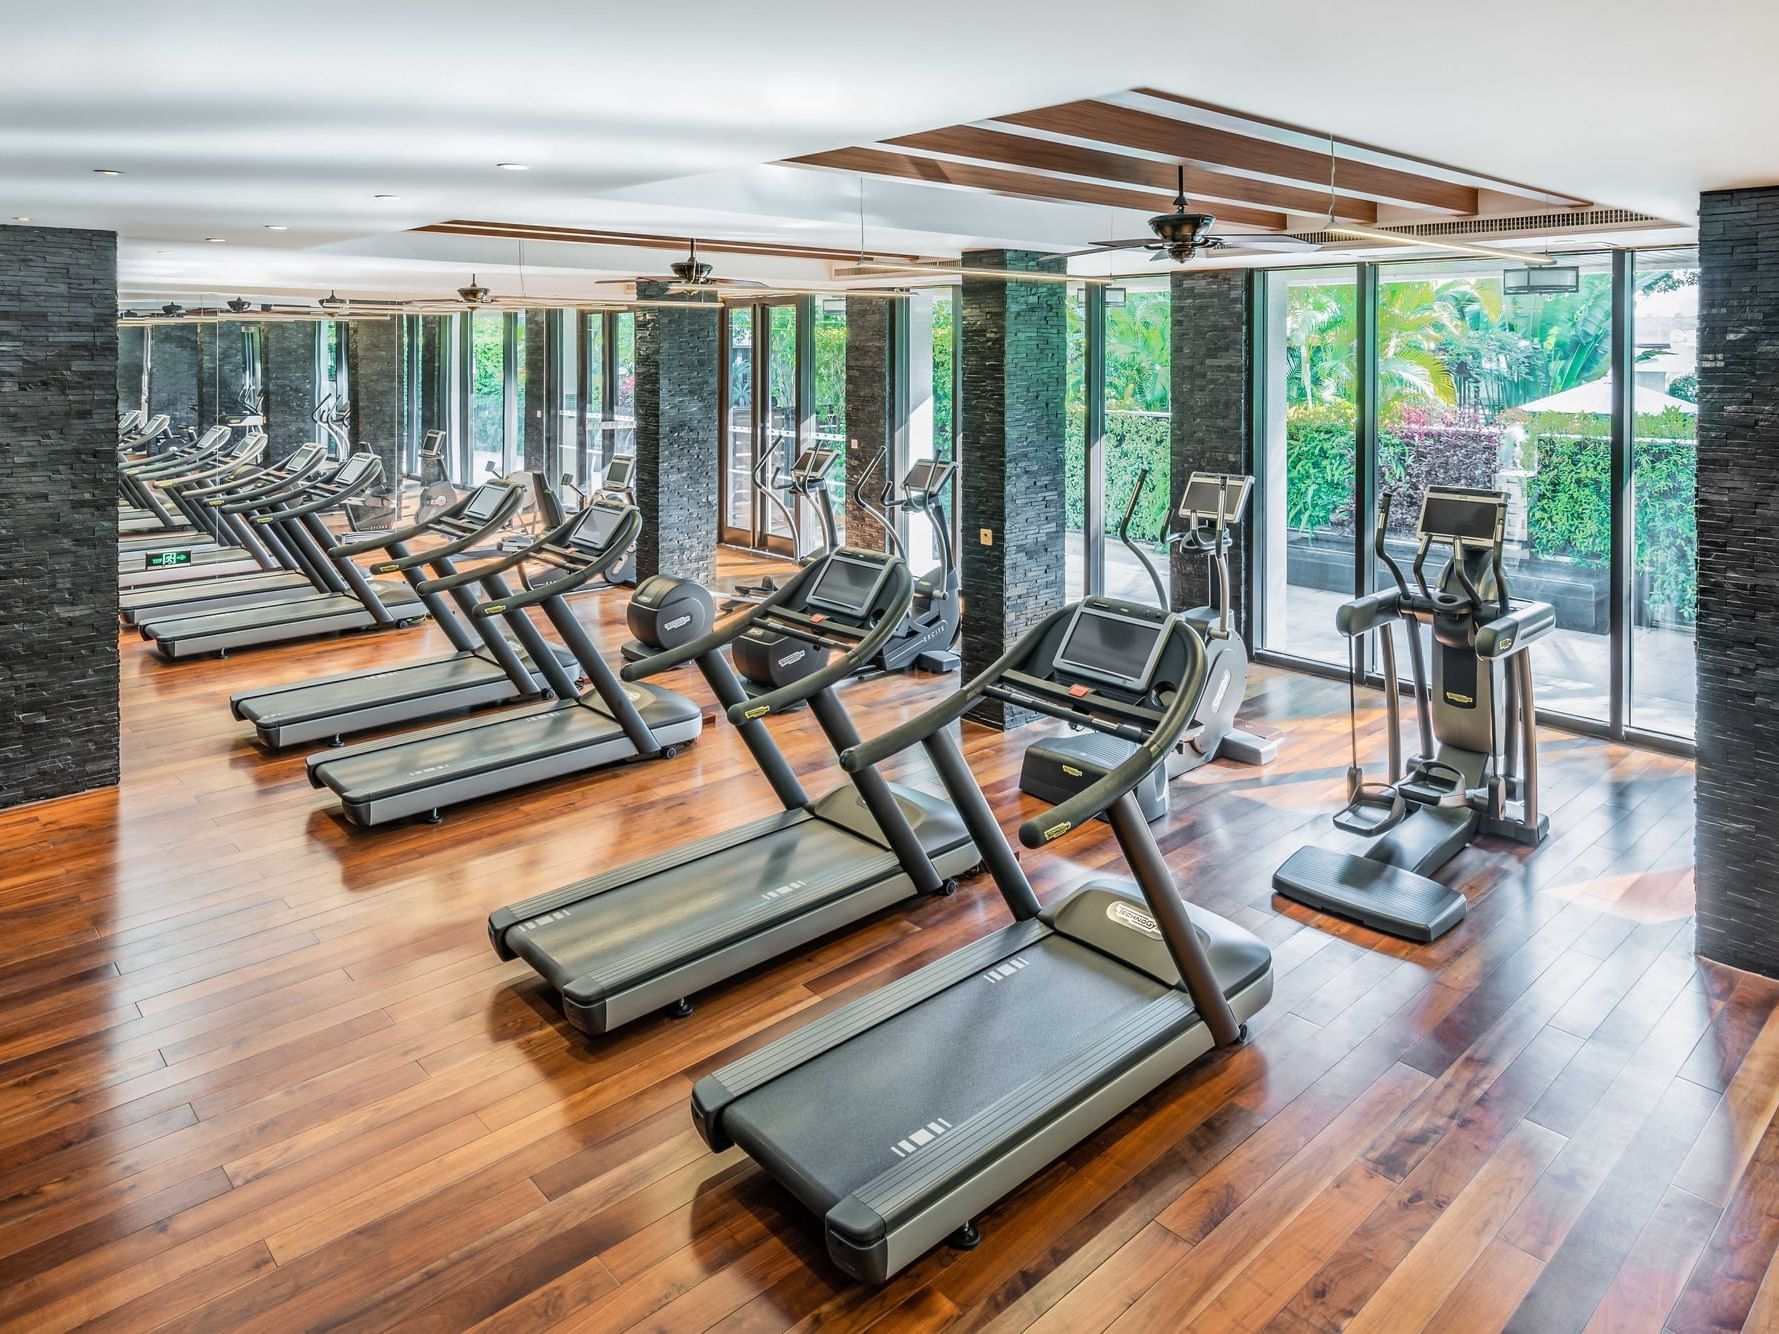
pixel 828 332
pixel 1664 459
pixel 930 408
pixel 622 438
pixel 780 410
pixel 738 415
pixel 487 394
pixel 1074 465
pixel 592 451
pixel 567 373
pixel 1306 459
pixel 515 372
pixel 1137 338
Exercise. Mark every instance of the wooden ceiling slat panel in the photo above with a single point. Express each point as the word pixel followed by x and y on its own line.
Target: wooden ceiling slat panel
pixel 1105 123
pixel 997 180
pixel 1018 150
pixel 585 236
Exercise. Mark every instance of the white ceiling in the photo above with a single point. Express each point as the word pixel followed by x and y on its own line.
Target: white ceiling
pixel 229 117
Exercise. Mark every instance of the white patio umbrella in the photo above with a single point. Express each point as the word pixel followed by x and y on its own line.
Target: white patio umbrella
pixel 1596 396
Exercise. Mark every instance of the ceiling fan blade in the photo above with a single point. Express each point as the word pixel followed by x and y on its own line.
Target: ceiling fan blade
pixel 1269 244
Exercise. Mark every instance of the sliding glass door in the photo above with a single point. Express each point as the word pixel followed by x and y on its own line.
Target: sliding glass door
pixel 763 397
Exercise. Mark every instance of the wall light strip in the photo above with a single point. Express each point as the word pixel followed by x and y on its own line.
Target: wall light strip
pixel 909 271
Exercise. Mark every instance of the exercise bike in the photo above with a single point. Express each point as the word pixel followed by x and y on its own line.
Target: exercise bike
pixel 928 634
pixel 1055 769
pixel 1464 781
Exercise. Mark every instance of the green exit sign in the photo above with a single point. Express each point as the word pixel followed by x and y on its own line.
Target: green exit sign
pixel 160 560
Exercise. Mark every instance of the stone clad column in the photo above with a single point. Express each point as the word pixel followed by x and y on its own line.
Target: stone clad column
pixel 1737 784
pixel 173 374
pixel 676 439
pixel 132 347
pixel 58 514
pixel 374 377
pixel 290 386
pixel 1013 345
pixel 870 409
pixel 1210 378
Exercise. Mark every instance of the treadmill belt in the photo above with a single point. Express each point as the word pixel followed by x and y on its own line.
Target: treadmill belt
pixel 832 1124
pixel 649 925
pixel 395 685
pixel 276 614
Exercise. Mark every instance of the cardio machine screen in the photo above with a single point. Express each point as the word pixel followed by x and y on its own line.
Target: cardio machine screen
pixel 928 475
pixel 617 473
pixel 1475 519
pixel 1206 492
pixel 1106 646
pixel 482 505
pixel 814 463
pixel 595 526
pixel 847 586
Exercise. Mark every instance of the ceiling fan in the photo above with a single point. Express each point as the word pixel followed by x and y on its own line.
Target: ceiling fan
pixel 1182 235
pixel 692 274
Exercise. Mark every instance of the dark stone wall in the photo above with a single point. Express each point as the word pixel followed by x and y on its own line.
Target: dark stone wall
pixel 1210 382
pixel 676 440
pixel 221 361
pixel 132 345
pixel 537 420
pixel 374 372
pixel 1013 348
pixel 173 373
pixel 58 515
pixel 870 408
pixel 1737 784
pixel 290 386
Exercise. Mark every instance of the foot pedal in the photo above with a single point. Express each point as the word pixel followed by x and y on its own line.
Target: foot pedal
pixel 1246 748
pixel 1385 898
pixel 939 660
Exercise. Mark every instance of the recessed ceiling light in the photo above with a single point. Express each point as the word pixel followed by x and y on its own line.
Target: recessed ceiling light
pixel 106 171
pixel 21 218
pixel 276 227
pixel 512 166
pixel 216 240
pixel 385 196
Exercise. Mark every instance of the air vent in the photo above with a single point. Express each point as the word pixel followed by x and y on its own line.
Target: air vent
pixel 1524 224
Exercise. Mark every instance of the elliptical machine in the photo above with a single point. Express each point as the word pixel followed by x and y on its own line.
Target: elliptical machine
pixel 928 634
pixel 1057 768
pixel 807 481
pixel 1463 781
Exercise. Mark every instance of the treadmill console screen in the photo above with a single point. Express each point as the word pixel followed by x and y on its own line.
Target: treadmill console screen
pixel 302 458
pixel 486 500
pixel 929 475
pixel 813 464
pixel 848 586
pixel 1476 518
pixel 1206 490
pixel 1104 645
pixel 617 472
pixel 354 468
pixel 595 526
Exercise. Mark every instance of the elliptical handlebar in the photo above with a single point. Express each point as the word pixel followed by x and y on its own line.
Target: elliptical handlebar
pixel 1130 509
pixel 885 503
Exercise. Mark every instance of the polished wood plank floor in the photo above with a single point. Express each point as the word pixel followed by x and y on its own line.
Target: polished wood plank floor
pixel 261 1071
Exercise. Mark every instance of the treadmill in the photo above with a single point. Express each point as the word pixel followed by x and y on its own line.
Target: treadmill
pixel 901 1116
pixel 420 773
pixel 353 601
pixel 485 666
pixel 214 546
pixel 305 474
pixel 644 937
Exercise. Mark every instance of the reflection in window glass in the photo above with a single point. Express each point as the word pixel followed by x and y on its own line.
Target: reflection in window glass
pixel 780 412
pixel 1074 478
pixel 622 438
pixel 1137 436
pixel 487 394
pixel 1664 461
pixel 1307 459
pixel 738 416
pixel 829 354
pixel 593 446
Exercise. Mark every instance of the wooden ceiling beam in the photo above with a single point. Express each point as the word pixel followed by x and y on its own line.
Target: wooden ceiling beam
pixel 1223 150
pixel 585 236
pixel 1241 194
pixel 997 180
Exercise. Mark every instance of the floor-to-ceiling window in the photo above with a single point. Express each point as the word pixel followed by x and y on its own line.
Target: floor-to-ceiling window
pixel 931 396
pixel 1664 460
pixel 1305 458
pixel 1135 368
pixel 487 395
pixel 620 438
pixel 827 355
pixel 738 426
pixel 596 395
pixel 566 374
pixel 1080 448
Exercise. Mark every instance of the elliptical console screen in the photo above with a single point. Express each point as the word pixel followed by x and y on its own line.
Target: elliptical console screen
pixel 617 473
pixel 928 475
pixel 1104 645
pixel 814 463
pixel 595 526
pixel 1206 491
pixel 1473 517
pixel 847 586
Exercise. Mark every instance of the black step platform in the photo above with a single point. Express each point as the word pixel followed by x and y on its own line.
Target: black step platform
pixel 1385 898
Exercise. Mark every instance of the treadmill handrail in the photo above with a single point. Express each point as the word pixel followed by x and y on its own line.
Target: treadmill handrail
pixel 879 748
pixel 253 448
pixel 900 584
pixel 1090 801
pixel 445 583
pixel 459 542
pixel 290 488
pixel 363 545
pixel 365 479
pixel 264 482
pixel 628 527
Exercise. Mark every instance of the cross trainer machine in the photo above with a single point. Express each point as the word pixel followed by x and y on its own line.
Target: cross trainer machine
pixel 1056 768
pixel 807 481
pixel 899 1117
pixel 1464 781
pixel 927 637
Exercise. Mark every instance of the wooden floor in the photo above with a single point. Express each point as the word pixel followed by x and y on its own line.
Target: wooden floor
pixel 262 1071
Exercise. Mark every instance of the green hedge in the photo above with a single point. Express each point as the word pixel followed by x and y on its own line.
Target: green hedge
pixel 1133 441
